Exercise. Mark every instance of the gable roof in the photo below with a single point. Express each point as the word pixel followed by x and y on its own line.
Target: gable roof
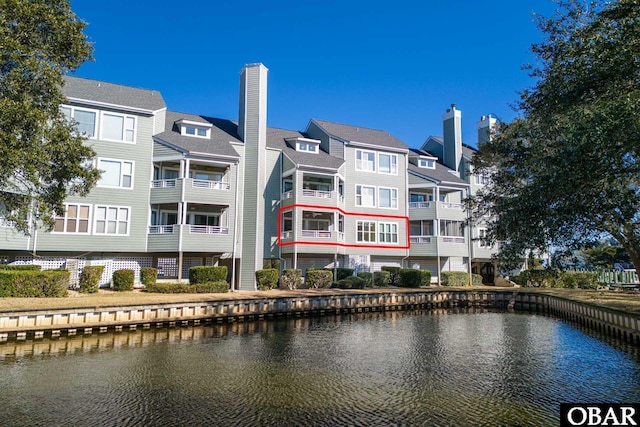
pixel 223 132
pixel 276 139
pixel 76 88
pixel 440 174
pixel 364 135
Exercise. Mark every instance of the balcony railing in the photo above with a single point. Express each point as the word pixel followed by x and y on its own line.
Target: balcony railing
pixel 163 183
pixel 447 205
pixel 322 234
pixel 420 239
pixel 208 229
pixel 451 239
pixel 317 193
pixel 213 185
pixel 419 205
pixel 341 236
pixel 287 234
pixel 286 195
pixel 161 229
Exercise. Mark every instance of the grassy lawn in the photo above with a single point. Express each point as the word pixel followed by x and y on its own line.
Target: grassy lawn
pixel 106 298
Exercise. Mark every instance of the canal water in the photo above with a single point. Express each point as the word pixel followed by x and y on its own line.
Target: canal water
pixel 428 368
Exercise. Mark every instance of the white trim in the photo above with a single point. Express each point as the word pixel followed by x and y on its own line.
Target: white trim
pixel 390 197
pixel 359 163
pixel 65 219
pixel 376 147
pixel 375 232
pixel 391 156
pixel 114 106
pixel 90 110
pixel 121 161
pixel 375 195
pixel 380 231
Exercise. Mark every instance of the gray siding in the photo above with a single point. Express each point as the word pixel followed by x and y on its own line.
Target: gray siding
pixel 272 205
pixel 163 150
pixel 336 148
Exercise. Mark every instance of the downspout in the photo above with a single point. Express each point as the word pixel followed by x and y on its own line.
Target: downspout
pixel 182 215
pixel 235 232
pixel 470 243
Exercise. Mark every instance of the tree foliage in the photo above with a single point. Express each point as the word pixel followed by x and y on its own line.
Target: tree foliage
pixel 567 170
pixel 43 158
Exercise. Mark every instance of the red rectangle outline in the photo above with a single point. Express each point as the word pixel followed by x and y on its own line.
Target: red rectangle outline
pixel 344 245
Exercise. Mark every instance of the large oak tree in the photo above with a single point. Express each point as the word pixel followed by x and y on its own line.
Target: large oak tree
pixel 567 170
pixel 42 158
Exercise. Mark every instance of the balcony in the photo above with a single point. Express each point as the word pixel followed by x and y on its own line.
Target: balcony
pixel 420 239
pixel 161 229
pixel 195 238
pixel 317 234
pixel 208 229
pixel 452 239
pixel 211 185
pixel 195 190
pixel 419 205
pixel 317 193
pixel 453 206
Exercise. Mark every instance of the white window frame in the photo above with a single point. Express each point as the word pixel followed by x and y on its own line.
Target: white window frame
pixel 65 219
pixel 89 110
pixel 481 178
pixel 133 168
pixel 307 147
pixel 359 196
pixel 482 235
pixel 391 198
pixel 382 233
pixel 124 127
pixel 393 164
pixel 359 162
pixel 427 163
pixel 106 220
pixel 196 128
pixel 370 232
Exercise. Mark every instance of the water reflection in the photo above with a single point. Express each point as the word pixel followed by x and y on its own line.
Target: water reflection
pixel 399 368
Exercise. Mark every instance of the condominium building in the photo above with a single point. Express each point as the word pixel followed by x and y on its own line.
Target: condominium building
pixel 180 190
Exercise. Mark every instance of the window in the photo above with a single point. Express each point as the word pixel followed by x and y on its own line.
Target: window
pixel 482 238
pixel 204 219
pixel 388 198
pixel 117 127
pixel 198 131
pixel 365 161
pixel 388 232
pixel 315 224
pixel 111 220
pixel 74 220
pixel 388 164
pixel 307 146
pixel 421 228
pixel 115 173
pixel 429 164
pixel 365 196
pixel 451 228
pixel 366 231
pixel 85 119
pixel 418 198
pixel 287 221
pixel 481 178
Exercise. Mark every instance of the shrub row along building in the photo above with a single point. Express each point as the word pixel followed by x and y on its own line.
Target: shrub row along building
pixel 180 190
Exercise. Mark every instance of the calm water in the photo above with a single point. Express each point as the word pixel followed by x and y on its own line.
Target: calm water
pixel 402 368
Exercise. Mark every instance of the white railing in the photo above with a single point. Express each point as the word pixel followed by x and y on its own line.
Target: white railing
pixel 317 193
pixel 213 185
pixel 341 198
pixel 322 234
pixel 286 195
pixel 420 239
pixel 163 183
pixel 161 229
pixel 419 205
pixel 207 229
pixel 287 234
pixel 450 239
pixel 447 205
pixel 341 236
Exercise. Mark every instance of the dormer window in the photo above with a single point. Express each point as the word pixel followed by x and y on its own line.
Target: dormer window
pixel 305 145
pixel 427 163
pixel 194 129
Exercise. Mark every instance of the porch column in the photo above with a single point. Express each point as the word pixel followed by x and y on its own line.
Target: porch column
pixel 182 166
pixel 187 165
pixel 183 219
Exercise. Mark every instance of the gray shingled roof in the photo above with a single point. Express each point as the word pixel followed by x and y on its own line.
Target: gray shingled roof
pixel 276 139
pixel 361 134
pixel 222 133
pixel 468 151
pixel 441 173
pixel 99 91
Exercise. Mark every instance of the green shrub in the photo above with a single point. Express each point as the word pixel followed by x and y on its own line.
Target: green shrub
pixel 25 267
pixel 184 288
pixel 538 279
pixel 271 263
pixel 90 278
pixel 207 273
pixel 455 278
pixel 351 282
pixel 318 279
pixel 31 283
pixel 148 276
pixel 367 277
pixel 267 279
pixel 123 280
pixel 476 279
pixel 381 278
pixel 577 279
pixel 425 278
pixel 394 275
pixel 410 278
pixel 291 278
pixel 343 273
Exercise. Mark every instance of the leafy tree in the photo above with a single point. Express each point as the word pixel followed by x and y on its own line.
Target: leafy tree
pixel 43 157
pixel 605 256
pixel 567 170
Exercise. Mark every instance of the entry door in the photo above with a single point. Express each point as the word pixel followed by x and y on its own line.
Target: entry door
pixel 488 273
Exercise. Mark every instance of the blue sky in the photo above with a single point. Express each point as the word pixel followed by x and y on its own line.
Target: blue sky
pixel 395 66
